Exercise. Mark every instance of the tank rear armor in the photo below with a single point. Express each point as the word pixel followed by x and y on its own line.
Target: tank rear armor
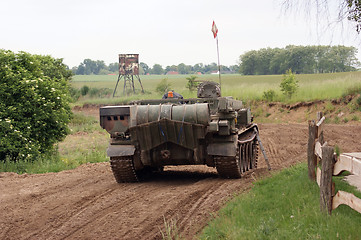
pixel 210 130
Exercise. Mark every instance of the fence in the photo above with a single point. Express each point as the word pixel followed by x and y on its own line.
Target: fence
pixel 319 152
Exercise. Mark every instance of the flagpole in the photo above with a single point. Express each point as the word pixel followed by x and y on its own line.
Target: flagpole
pixel 219 68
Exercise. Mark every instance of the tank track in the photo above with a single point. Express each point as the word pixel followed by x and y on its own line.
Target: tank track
pixel 123 169
pixel 245 160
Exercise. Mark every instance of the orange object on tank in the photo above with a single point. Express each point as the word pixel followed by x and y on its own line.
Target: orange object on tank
pixel 170 94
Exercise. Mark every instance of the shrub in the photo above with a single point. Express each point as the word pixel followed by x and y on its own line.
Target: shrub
pixel 74 93
pixel 34 104
pixel 100 92
pixel 269 95
pixel 192 84
pixel 289 84
pixel 84 90
pixel 163 86
pixel 94 92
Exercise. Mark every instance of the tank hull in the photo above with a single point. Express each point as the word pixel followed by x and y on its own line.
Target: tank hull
pixel 146 137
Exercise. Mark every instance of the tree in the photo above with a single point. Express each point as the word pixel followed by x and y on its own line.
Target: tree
pixel 144 68
pixel 113 67
pixel 192 84
pixel 301 59
pixel 157 69
pixel 346 9
pixel 171 68
pixel 289 84
pixel 80 70
pixel 184 69
pixel 89 66
pixel 208 68
pixel 352 10
pixel 234 69
pixel 34 104
pixel 198 68
pixel 248 63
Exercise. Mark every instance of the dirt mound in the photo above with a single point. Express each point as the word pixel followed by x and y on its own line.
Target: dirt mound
pixel 87 203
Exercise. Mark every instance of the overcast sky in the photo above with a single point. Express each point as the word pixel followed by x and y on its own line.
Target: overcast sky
pixel 161 31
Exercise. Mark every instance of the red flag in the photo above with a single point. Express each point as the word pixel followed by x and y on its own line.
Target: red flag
pixel 214 29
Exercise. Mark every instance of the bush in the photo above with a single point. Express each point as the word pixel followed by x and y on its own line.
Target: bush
pixel 74 93
pixel 84 90
pixel 34 104
pixel 192 84
pixel 100 92
pixel 289 84
pixel 269 95
pixel 163 86
pixel 94 92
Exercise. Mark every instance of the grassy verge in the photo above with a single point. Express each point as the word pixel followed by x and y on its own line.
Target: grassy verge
pixel 285 206
pixel 86 144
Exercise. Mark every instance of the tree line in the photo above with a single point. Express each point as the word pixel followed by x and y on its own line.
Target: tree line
pixel 266 61
pixel 98 67
pixel 301 59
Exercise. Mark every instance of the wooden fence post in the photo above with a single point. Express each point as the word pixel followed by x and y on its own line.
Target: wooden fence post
pixel 319 116
pixel 326 179
pixel 319 131
pixel 311 157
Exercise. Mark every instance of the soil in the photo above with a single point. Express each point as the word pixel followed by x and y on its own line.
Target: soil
pixel 87 203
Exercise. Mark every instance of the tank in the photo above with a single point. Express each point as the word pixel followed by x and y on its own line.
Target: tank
pixel 208 130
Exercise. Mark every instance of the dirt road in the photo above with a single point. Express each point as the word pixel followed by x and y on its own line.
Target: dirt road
pixel 87 203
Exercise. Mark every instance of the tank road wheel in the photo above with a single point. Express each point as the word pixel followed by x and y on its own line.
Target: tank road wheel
pixel 245 160
pixel 123 169
pixel 248 153
pixel 229 167
pixel 242 158
pixel 254 158
pixel 247 156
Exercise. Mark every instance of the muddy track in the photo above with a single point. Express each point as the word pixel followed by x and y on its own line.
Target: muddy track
pixel 87 203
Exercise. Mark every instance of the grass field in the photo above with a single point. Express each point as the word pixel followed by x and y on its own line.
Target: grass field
pixel 285 206
pixel 312 86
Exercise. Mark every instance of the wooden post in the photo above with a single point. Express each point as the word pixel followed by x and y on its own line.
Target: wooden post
pixel 319 116
pixel 319 131
pixel 326 179
pixel 311 157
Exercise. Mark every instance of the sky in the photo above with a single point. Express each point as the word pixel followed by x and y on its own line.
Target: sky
pixel 162 32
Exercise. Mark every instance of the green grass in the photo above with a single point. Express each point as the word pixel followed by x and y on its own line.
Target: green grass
pixel 285 206
pixel 87 144
pixel 54 163
pixel 312 86
pixel 82 123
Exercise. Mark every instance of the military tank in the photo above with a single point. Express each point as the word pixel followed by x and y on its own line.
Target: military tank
pixel 208 130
